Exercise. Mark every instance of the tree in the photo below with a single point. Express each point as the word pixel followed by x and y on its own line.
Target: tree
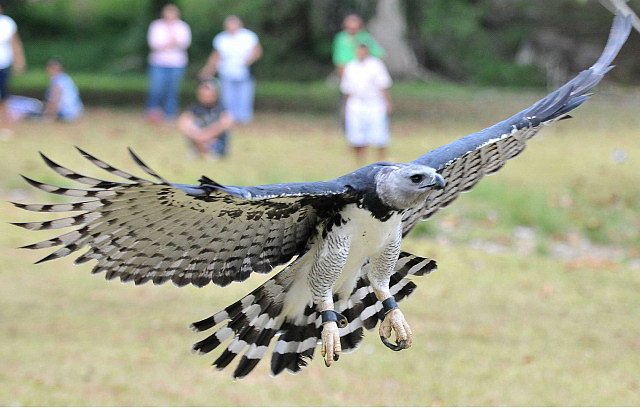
pixel 389 27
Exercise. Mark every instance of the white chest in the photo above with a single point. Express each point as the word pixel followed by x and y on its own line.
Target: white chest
pixel 368 235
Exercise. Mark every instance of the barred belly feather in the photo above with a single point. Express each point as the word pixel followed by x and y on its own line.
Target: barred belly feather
pixel 251 324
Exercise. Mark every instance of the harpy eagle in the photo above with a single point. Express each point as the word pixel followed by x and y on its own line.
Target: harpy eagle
pixel 340 239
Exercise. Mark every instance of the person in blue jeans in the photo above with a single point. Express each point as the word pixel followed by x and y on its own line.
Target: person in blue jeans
pixel 234 51
pixel 164 88
pixel 206 123
pixel 168 38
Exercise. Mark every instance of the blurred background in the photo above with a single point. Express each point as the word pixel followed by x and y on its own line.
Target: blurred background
pixel 491 42
pixel 537 296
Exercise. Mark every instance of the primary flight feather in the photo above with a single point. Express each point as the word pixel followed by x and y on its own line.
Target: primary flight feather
pixel 340 238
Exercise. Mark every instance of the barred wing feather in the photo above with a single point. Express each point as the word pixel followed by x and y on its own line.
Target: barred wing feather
pixel 144 230
pixel 465 161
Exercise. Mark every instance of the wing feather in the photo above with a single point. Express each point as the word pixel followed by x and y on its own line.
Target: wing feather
pixel 465 161
pixel 144 167
pixel 138 252
pixel 71 192
pixel 109 168
pixel 144 230
pixel 75 176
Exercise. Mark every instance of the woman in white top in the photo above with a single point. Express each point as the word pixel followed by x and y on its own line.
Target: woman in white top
pixel 11 57
pixel 234 51
pixel 168 38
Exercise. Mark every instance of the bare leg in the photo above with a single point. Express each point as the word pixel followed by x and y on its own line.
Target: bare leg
pixel 6 130
pixel 360 154
pixel 202 149
pixel 382 153
pixel 4 116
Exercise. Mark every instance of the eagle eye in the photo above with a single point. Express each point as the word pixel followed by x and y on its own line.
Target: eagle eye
pixel 417 178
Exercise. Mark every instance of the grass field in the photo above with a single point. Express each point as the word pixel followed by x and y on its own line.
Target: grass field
pixel 536 300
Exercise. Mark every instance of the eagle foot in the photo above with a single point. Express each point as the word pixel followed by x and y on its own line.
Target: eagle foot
pixel 331 347
pixel 394 321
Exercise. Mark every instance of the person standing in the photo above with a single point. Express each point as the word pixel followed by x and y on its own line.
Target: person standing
pixel 234 52
pixel 11 57
pixel 346 42
pixel 365 83
pixel 169 38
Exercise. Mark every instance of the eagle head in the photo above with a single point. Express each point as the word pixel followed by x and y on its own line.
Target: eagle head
pixel 403 186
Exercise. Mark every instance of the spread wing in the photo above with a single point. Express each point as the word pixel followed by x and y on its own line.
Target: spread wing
pixel 145 230
pixel 465 161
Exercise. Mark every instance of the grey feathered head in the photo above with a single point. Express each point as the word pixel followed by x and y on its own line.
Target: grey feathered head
pixel 403 186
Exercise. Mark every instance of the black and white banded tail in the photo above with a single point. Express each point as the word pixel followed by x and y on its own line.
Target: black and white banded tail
pixel 249 325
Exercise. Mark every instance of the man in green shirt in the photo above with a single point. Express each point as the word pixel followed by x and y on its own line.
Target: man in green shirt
pixel 346 42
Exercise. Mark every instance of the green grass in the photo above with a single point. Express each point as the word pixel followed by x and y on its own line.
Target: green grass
pixel 315 96
pixel 502 328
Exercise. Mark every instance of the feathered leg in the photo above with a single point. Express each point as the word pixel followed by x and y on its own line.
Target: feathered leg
pixel 331 257
pixel 382 267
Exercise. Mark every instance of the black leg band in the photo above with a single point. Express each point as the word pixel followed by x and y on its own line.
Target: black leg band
pixel 389 304
pixel 333 316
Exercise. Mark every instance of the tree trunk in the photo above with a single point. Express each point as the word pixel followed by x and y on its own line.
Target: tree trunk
pixel 388 27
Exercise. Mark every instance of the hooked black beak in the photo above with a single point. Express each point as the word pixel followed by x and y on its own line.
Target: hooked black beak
pixel 439 182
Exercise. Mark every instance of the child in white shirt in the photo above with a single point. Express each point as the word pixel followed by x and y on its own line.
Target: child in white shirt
pixel 366 84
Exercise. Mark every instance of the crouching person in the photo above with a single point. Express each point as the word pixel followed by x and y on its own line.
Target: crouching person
pixel 206 123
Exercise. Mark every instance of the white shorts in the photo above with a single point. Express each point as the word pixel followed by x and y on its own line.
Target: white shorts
pixel 366 125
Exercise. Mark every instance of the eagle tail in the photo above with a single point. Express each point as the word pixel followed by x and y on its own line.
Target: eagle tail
pixel 252 322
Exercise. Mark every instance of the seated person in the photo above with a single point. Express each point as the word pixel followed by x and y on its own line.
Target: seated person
pixel 62 99
pixel 19 107
pixel 206 123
